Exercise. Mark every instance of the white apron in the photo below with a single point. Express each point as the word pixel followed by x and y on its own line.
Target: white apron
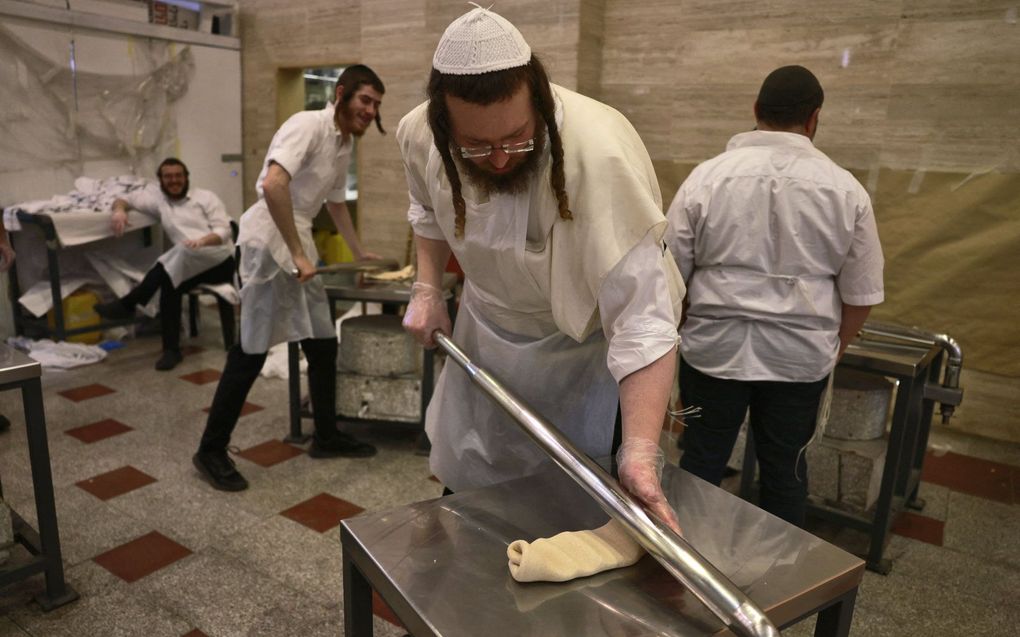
pixel 181 262
pixel 505 324
pixel 275 306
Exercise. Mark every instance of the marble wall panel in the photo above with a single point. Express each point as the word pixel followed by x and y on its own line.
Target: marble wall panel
pixel 1005 10
pixel 968 127
pixel 946 52
pixel 728 14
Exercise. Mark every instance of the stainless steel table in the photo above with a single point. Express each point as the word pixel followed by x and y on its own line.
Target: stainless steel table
pixel 18 371
pixel 387 293
pixel 441 566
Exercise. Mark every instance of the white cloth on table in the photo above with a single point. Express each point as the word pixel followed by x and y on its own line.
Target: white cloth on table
pixel 559 310
pixel 74 214
pixel 772 238
pixel 275 307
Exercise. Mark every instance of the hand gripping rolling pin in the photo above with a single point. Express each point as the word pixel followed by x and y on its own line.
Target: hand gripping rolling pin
pixel 741 615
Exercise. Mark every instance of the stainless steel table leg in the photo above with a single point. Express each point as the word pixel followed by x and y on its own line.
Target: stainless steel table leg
pixel 835 620
pixel 57 591
pixel 357 600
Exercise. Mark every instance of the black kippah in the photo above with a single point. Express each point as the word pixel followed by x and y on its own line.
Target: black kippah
pixel 789 86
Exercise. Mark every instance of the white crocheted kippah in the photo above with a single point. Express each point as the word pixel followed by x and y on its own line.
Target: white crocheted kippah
pixel 478 42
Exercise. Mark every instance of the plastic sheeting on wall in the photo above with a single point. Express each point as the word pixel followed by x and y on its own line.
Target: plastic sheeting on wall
pixel 57 115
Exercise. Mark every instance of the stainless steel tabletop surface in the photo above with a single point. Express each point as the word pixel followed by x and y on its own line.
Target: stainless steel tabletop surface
pixel 888 358
pixel 447 559
pixel 15 366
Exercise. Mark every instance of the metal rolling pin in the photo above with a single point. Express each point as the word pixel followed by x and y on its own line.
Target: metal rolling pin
pixel 741 615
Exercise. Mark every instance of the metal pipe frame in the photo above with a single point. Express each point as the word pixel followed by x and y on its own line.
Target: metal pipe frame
pixel 741 615
pixel 954 355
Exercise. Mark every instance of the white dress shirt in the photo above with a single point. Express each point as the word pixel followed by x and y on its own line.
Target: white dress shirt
pixel 772 238
pixel 275 306
pixel 559 310
pixel 189 218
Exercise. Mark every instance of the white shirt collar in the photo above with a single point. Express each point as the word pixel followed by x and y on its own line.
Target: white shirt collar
pixel 769 138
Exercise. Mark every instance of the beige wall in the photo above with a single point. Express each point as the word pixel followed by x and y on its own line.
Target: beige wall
pixel 922 103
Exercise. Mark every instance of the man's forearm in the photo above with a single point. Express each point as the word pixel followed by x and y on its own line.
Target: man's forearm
pixel 345 226
pixel 433 256
pixel 644 396
pixel 852 319
pixel 281 209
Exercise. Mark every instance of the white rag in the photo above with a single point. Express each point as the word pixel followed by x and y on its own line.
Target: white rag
pixel 60 355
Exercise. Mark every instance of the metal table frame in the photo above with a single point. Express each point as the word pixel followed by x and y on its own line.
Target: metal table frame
pixel 832 599
pixel 59 332
pixel 389 295
pixel 908 441
pixel 21 372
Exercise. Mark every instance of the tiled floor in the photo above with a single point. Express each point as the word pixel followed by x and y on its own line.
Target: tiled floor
pixel 154 551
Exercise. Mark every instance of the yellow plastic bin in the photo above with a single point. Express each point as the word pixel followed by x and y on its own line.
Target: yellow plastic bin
pixel 336 250
pixel 78 313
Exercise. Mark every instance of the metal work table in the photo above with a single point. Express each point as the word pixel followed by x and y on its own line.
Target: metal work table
pixel 441 566
pixel 917 368
pixel 18 371
pixel 387 293
pixel 60 331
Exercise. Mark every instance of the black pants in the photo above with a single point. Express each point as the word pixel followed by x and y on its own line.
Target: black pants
pixel 239 375
pixel 170 297
pixel 782 419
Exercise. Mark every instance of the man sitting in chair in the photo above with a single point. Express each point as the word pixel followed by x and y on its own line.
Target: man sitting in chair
pixel 196 221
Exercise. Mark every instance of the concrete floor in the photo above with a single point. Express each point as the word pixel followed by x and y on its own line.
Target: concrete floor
pixel 267 561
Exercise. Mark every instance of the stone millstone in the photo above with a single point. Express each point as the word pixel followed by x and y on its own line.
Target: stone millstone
pixel 860 405
pixel 377 345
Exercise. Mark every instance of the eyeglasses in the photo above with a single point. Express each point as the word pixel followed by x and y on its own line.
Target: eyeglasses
pixel 509 149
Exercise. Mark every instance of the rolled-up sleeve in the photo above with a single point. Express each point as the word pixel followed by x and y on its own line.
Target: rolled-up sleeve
pixel 145 200
pixel 860 279
pixel 291 144
pixel 423 219
pixel 636 309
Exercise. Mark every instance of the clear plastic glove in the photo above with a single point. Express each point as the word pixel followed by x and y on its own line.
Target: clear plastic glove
pixel 426 313
pixel 640 463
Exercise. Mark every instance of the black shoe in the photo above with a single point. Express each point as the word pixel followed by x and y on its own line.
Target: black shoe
pixel 113 311
pixel 218 469
pixel 341 446
pixel 169 360
pixel 5 423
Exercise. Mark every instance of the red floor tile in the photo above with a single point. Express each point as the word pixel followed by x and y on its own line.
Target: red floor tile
pixel 248 408
pixel 188 350
pixel 86 392
pixel 381 610
pixel 919 527
pixel 322 512
pixel 142 556
pixel 973 476
pixel 98 430
pixel 195 633
pixel 270 452
pixel 202 377
pixel 117 482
